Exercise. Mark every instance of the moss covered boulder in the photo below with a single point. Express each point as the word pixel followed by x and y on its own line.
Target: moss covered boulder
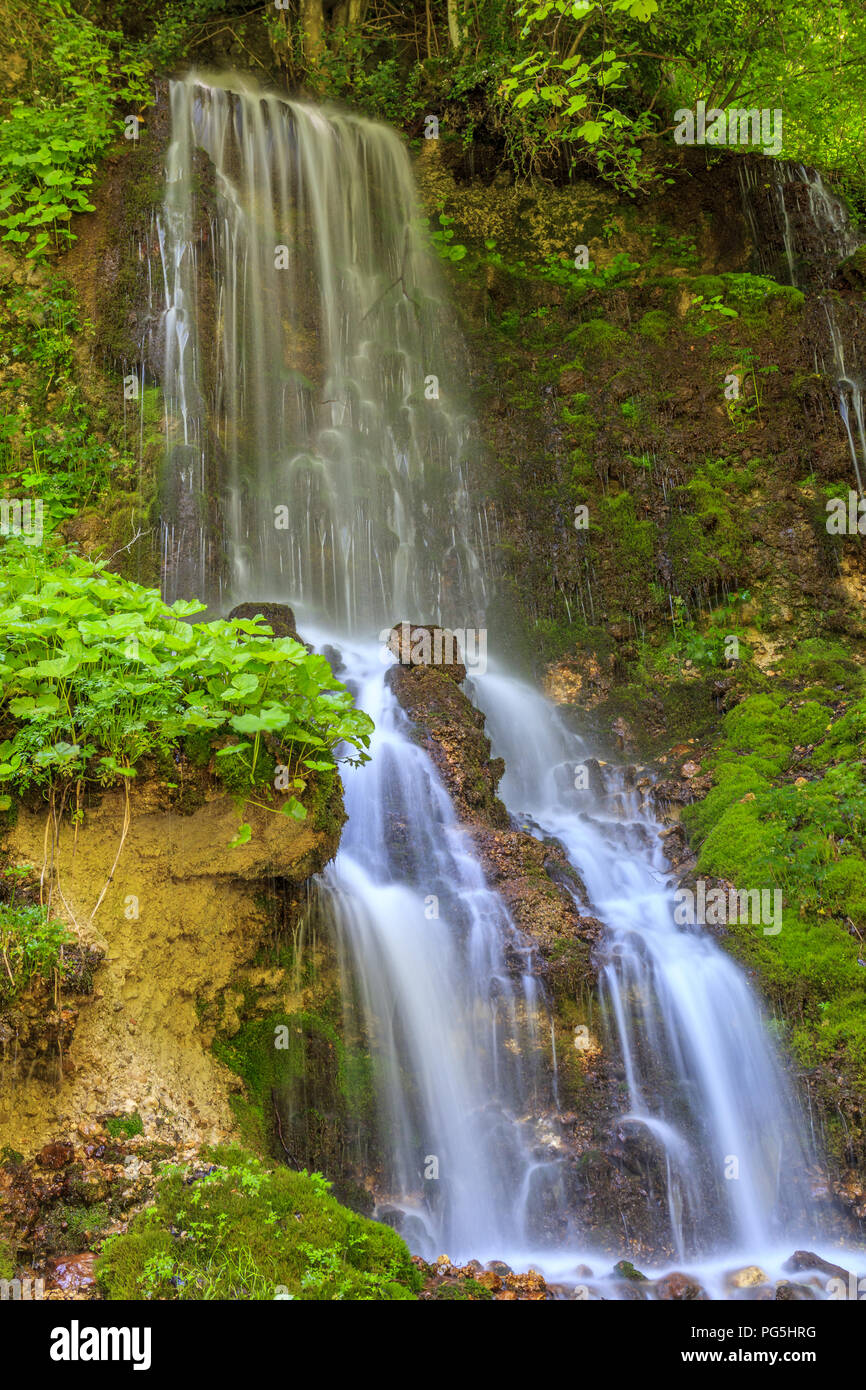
pixel 235 1228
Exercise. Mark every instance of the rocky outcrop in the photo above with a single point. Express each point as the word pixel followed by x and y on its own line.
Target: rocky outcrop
pixel 533 876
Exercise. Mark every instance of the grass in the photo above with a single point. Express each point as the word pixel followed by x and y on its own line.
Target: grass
pixel 31 947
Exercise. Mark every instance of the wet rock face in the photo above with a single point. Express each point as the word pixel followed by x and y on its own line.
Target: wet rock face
pixel 58 1207
pixel 802 1260
pixel 534 877
pixel 37 1030
pixel 474 1282
pixel 452 731
pixel 678 1288
pixel 139 1034
pixel 55 1156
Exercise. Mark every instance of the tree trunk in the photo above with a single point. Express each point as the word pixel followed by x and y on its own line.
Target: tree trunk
pixel 455 32
pixel 313 25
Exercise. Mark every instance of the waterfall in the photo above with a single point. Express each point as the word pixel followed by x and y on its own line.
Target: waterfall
pixel 307 360
pixel 790 206
pixel 308 354
pixel 317 455
pixel 447 992
pixel 702 1077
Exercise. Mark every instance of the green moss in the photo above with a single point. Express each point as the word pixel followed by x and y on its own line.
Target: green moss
pixel 237 776
pixel 244 1230
pixel 299 1064
pixel 463 1291
pixel 750 292
pixel 656 325
pixel 633 542
pixel 734 781
pixel 708 285
pixel 197 747
pixel 124 1126
pixel 597 339
pixel 780 816
pixel 72 1228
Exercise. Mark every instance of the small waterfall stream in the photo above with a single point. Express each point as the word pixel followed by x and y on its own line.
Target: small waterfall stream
pixel 317 451
pixel 702 1076
pixel 791 210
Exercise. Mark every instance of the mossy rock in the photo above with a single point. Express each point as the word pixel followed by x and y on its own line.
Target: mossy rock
pixel 238 1229
pixel 597 339
pixel 656 325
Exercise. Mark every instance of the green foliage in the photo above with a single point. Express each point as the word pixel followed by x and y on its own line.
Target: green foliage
pixel 442 238
pixel 243 1230
pixel 582 89
pixel 581 83
pixel 98 672
pixel 71 1228
pixel 50 142
pixel 31 947
pixel 707 646
pixel 178 23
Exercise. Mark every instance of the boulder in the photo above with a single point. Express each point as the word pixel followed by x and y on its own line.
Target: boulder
pixel 678 1288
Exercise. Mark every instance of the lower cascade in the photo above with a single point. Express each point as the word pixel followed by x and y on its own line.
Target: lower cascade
pixel 370 476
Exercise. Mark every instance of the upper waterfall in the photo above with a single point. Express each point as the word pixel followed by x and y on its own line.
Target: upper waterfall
pixel 307 365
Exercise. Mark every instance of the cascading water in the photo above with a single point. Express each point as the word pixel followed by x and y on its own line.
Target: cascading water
pixel 313 282
pixel 701 1073
pixel 810 226
pixel 314 448
pixel 446 990
pixel 305 346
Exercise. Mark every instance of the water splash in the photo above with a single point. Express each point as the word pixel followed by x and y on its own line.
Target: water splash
pixel 702 1076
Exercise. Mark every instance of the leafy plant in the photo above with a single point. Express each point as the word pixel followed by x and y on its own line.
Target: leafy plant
pixel 97 672
pixel 30 946
pixel 581 88
pixel 244 1230
pixel 49 143
pixel 442 238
